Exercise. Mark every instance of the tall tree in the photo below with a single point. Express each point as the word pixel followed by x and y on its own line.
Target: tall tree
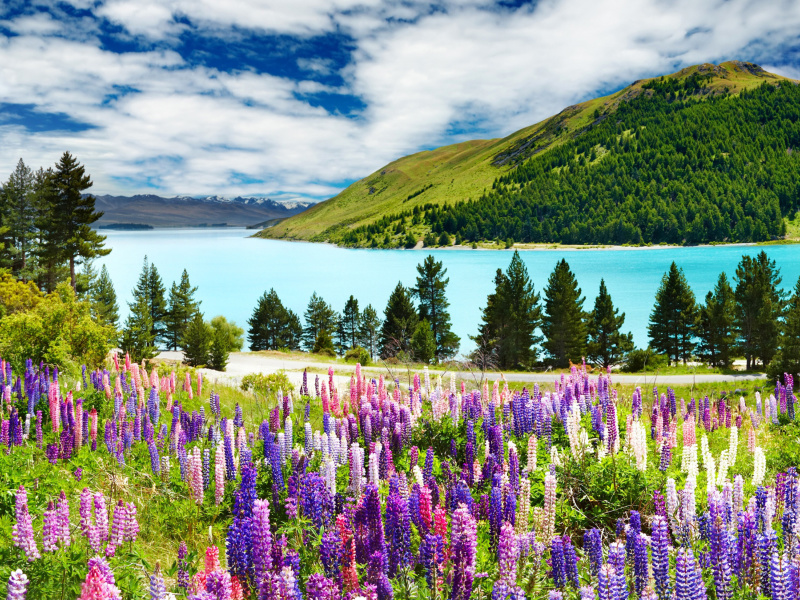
pixel 607 344
pixel 138 338
pixel 368 330
pixel 400 320
pixel 49 252
pixel 73 214
pixel 509 321
pixel 226 337
pixel 182 307
pixel 433 305
pixel 423 342
pixel 759 305
pixel 104 300
pixel 155 292
pixel 272 326
pixel 347 331
pixel 319 316
pixel 563 322
pixel 715 324
pixel 672 320
pixel 787 360
pixel 19 211
pixel 197 341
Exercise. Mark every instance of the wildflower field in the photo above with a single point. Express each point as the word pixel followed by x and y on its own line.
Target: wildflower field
pixel 135 482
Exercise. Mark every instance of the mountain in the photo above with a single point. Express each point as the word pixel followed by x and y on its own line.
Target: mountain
pixel 702 155
pixel 185 211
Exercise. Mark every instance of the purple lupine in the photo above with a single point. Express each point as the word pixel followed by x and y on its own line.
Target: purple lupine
pixel 261 541
pixel 719 551
pixel 641 565
pixel 508 554
pixel 49 528
pixel 157 589
pixel 17 586
pixel 616 558
pixel 22 531
pixel 463 540
pixel 778 577
pixel 570 562
pixel 557 559
pixel 319 587
pixel 431 554
pixel 398 527
pixel 688 583
pixel 592 545
pixel 607 584
pixel 183 567
pixel 330 553
pixel 660 551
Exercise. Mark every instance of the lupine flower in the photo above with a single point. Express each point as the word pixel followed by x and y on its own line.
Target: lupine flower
pixel 23 528
pixel 607 583
pixel 17 586
pixel 183 567
pixel 157 589
pixel 660 549
pixel 508 554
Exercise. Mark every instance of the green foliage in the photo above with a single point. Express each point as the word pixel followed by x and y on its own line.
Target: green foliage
pixel 319 317
pixel 17 296
pixel 266 385
pixel 182 308
pixel 644 359
pixel 347 329
pixel 430 291
pixel 104 300
pixel 324 344
pixel 197 342
pixel 506 338
pixel 787 360
pixel 359 355
pixel 273 326
pixel 58 330
pixel 672 320
pixel 226 337
pixel 715 325
pixel 410 241
pixel 400 321
pixel 368 330
pixel 607 344
pixel 423 342
pixel 138 337
pixel 563 322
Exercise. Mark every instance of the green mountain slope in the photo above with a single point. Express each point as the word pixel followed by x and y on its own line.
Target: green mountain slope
pixel 571 163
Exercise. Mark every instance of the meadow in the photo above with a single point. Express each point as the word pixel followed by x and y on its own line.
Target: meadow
pixel 128 483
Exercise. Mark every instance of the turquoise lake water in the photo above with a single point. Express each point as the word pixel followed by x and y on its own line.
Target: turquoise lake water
pixel 232 270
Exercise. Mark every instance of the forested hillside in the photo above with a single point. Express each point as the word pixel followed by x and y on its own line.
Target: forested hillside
pixel 705 155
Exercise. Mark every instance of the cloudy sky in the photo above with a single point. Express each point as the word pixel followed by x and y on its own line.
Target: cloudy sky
pixel 298 98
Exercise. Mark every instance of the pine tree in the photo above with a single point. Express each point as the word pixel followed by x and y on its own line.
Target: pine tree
pixel 347 331
pixel 319 316
pixel 787 360
pixel 196 342
pixel 563 322
pixel 138 338
pixel 158 305
pixel 272 326
pixel 49 252
pixel 85 280
pixel 72 215
pixel 433 305
pixel 104 300
pixel 226 337
pixel 759 305
pixel 368 331
pixel 423 342
pixel 400 320
pixel 672 320
pixel 182 307
pixel 19 212
pixel 323 344
pixel 507 335
pixel 715 324
pixel 607 344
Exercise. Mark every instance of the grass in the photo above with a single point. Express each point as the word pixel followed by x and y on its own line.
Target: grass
pixel 464 171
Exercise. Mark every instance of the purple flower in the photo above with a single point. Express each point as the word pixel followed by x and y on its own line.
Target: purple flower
pixel 183 567
pixel 557 559
pixel 17 586
pixel 594 549
pixel 660 550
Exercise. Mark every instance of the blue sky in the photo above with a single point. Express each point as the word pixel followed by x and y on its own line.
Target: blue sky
pixel 296 99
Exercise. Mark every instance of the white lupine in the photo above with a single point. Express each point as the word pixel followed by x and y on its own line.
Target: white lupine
pixel 673 507
pixel 733 445
pixel 309 438
pixel 418 475
pixel 638 444
pixel 710 471
pixel 282 445
pixel 738 494
pixel 288 441
pixel 317 441
pixel 722 475
pixel 769 509
pixel 689 461
pixel 573 425
pixel 374 457
pixel 555 459
pixel 523 506
pixel 705 453
pixel 330 476
pixel 533 446
pixel 688 503
pixel 759 466
pixel 333 445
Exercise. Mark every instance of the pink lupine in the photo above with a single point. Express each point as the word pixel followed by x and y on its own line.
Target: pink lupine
pixel 219 475
pixel 196 476
pixel 117 528
pixel 199 385
pixel 212 559
pixel 49 528
pixel 97 586
pixel 22 532
pixel 62 521
pixel 131 523
pixel 101 516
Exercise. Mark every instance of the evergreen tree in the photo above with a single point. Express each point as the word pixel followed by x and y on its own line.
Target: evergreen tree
pixel 715 324
pixel 155 292
pixel 138 338
pixel 759 305
pixel 433 305
pixel 104 300
pixel 672 320
pixel 226 337
pixel 182 307
pixel 423 342
pixel 400 321
pixel 49 252
pixel 196 342
pixel 86 280
pixel 18 214
pixel 563 322
pixel 72 214
pixel 347 331
pixel 787 360
pixel 607 344
pixel 272 326
pixel 319 317
pixel 368 331
pixel 509 321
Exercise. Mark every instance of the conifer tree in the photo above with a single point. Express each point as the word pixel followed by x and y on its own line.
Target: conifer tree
pixel 368 330
pixel 182 307
pixel 347 330
pixel 72 214
pixel 400 321
pixel 319 316
pixel 759 305
pixel 715 325
pixel 138 338
pixel 196 341
pixel 85 280
pixel 155 292
pixel 563 322
pixel 18 214
pixel 433 305
pixel 672 320
pixel 607 344
pixel 104 300
pixel 272 326
pixel 787 360
pixel 508 330
pixel 226 337
pixel 423 342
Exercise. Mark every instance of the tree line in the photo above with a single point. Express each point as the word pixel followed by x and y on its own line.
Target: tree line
pixel 415 325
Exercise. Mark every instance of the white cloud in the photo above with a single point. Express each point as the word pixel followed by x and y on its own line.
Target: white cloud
pixel 193 129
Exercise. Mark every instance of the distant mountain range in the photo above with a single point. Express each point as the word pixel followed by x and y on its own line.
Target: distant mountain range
pixel 186 211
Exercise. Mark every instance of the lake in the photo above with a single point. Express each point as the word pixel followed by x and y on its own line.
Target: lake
pixel 231 271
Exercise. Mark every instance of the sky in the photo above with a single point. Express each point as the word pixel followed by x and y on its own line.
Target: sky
pixel 296 99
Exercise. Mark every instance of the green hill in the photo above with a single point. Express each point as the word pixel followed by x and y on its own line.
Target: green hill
pixel 706 154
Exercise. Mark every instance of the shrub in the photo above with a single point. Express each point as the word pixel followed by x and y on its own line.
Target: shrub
pixel 357 354
pixel 641 359
pixel 265 385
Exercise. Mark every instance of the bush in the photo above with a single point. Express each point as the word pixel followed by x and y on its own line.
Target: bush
pixel 324 344
pixel 641 359
pixel 357 354
pixel 423 343
pixel 266 385
pixel 226 337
